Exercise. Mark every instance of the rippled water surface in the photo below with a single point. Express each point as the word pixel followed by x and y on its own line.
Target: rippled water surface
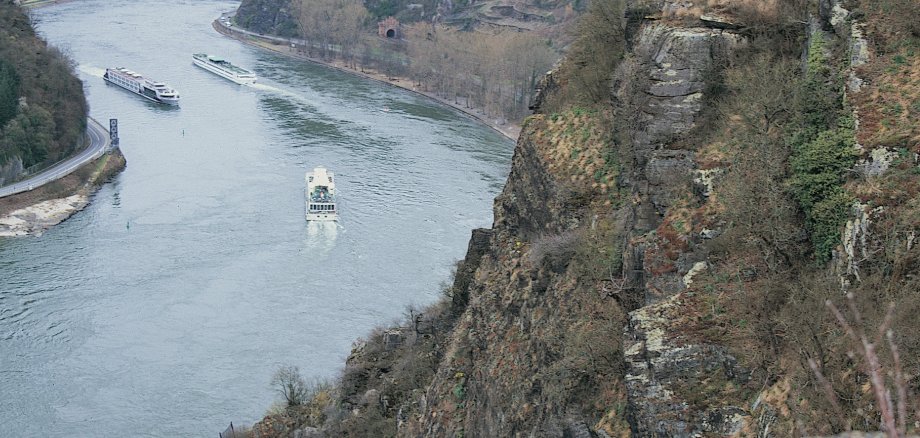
pixel 165 306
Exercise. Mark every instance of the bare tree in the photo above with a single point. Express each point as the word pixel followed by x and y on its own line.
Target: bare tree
pixel 290 384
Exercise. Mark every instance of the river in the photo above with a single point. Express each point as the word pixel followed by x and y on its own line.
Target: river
pixel 165 306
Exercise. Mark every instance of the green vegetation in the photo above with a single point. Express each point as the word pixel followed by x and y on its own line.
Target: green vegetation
pixel 822 151
pixel 819 168
pixel 9 92
pixel 42 107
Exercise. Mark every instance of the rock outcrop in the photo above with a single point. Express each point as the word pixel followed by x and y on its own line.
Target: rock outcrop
pixel 666 77
pixel 527 320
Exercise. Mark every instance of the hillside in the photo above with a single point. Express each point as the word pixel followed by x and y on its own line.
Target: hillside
pixel 700 188
pixel 42 106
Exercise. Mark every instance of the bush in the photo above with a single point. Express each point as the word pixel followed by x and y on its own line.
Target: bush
pixel 599 46
pixel 556 249
pixel 826 220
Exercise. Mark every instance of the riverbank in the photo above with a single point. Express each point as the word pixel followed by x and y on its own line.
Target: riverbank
pixel 509 130
pixel 33 212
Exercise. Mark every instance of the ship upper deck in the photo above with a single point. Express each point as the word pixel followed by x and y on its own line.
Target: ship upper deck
pixel 224 64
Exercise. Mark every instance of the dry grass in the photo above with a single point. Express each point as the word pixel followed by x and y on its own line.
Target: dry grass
pixel 578 151
pixel 889 106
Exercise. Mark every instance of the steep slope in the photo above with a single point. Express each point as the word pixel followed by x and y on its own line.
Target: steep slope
pixel 659 264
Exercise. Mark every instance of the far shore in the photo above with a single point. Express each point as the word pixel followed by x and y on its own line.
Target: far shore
pixel 509 130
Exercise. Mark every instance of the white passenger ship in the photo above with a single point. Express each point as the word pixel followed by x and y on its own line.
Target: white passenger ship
pixel 224 68
pixel 321 195
pixel 138 84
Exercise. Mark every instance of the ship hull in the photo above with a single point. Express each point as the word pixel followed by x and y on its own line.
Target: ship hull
pixel 222 73
pixel 136 91
pixel 322 217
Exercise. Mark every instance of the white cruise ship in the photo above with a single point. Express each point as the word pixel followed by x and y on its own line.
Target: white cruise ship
pixel 321 195
pixel 224 68
pixel 138 84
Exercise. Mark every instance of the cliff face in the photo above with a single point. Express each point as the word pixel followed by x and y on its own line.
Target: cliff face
pixel 537 337
pixel 545 341
pixel 651 270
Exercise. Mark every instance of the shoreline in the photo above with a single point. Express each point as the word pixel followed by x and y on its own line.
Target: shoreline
pixel 34 212
pixel 508 130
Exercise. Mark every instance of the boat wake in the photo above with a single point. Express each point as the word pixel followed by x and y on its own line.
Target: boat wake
pixel 90 70
pixel 279 91
pixel 321 236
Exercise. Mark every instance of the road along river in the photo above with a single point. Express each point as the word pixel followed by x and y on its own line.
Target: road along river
pixel 165 306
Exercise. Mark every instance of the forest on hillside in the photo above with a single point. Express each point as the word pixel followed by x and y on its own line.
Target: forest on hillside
pixel 42 105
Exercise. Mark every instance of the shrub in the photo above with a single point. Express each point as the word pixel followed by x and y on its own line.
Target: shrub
pixel 825 221
pixel 822 151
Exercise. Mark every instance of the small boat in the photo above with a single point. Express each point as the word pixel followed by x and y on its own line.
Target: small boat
pixel 144 87
pixel 224 68
pixel 320 203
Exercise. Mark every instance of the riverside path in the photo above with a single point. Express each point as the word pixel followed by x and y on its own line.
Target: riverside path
pixel 98 143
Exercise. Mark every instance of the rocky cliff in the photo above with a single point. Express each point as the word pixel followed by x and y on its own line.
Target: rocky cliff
pixel 657 266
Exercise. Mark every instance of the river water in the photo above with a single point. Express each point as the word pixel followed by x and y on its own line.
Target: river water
pixel 164 308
